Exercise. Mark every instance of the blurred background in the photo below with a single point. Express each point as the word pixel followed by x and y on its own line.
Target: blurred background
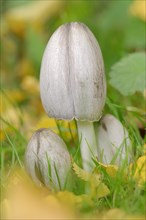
pixel 26 26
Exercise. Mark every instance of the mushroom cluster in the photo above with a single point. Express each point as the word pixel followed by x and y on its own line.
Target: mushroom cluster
pixel 73 86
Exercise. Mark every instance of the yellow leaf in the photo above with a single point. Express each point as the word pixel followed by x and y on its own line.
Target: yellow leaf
pixel 140 171
pixel 102 190
pixel 34 13
pixel 25 68
pixel 110 169
pixel 97 187
pixel 137 9
pixel 30 85
pixel 82 174
pixel 114 214
pixel 69 130
pixel 118 214
pixel 69 198
pixel 2 135
pixel 35 205
pixel 16 95
pixel 10 98
pixel 12 116
pixel 6 207
pixel 53 201
pixel 46 122
pixel 144 149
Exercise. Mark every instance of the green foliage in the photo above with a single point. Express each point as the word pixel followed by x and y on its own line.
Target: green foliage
pixel 128 75
pixel 34 46
pixel 135 36
pixel 12 4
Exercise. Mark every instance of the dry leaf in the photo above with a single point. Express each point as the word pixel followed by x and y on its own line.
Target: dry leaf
pixel 97 188
pixel 137 9
pixel 25 68
pixel 119 214
pixel 23 200
pixel 34 13
pixel 144 149
pixel 30 85
pixel 82 174
pixel 110 169
pixel 140 171
pixel 72 200
pixel 46 122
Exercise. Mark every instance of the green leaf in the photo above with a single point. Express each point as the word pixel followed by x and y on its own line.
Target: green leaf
pixel 128 75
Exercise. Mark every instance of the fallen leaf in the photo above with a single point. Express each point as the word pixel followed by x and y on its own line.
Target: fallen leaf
pixel 137 9
pixel 82 174
pixel 24 200
pixel 25 68
pixel 68 129
pixel 72 200
pixel 30 85
pixel 34 13
pixel 144 149
pixel 97 188
pixel 140 171
pixel 46 122
pixel 111 170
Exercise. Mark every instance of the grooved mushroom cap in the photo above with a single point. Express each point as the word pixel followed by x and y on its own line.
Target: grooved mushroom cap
pixel 72 80
pixel 113 138
pixel 45 155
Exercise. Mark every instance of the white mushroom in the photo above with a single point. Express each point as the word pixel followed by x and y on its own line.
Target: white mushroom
pixel 72 82
pixel 47 159
pixel 113 141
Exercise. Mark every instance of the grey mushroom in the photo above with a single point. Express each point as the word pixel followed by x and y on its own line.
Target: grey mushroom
pixel 72 82
pixel 47 159
pixel 113 141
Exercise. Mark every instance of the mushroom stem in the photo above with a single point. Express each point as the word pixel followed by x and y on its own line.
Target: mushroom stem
pixel 88 144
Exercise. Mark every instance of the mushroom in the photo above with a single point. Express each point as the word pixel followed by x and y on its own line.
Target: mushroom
pixel 47 159
pixel 72 82
pixel 113 141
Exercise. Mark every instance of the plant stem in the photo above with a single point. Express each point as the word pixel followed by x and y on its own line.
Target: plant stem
pixel 87 143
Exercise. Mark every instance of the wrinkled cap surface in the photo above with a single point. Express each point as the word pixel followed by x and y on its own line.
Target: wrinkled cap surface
pixel 113 140
pixel 72 80
pixel 47 159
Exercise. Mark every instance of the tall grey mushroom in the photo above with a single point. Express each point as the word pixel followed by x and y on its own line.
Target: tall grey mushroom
pixel 47 159
pixel 72 82
pixel 113 141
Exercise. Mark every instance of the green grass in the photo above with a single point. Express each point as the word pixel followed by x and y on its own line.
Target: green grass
pixel 124 190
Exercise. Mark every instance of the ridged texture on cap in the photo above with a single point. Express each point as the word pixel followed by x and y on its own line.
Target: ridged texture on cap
pixel 112 139
pixel 72 80
pixel 47 151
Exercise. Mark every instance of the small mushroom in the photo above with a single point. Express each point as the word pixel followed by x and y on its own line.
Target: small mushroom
pixel 113 141
pixel 47 159
pixel 72 82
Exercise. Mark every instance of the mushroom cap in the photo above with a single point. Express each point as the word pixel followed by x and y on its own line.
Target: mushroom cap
pixel 72 80
pixel 45 155
pixel 112 138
